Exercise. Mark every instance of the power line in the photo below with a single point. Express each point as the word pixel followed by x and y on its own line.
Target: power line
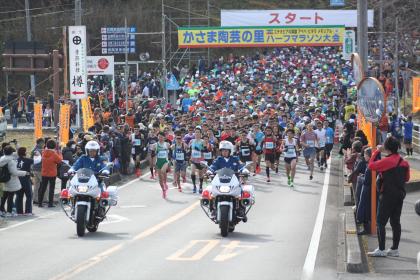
pixel 35 16
pixel 34 9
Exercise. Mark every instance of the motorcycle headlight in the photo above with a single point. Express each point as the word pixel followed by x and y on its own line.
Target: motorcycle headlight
pixel 82 189
pixel 224 189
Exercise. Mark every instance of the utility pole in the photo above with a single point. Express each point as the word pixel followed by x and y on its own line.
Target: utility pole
pixel 78 12
pixel 126 66
pixel 381 35
pixel 396 69
pixel 165 73
pixel 78 22
pixel 362 29
pixel 208 24
pixel 29 37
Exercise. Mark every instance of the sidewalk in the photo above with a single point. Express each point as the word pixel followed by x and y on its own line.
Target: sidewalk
pixel 409 245
pixel 410 237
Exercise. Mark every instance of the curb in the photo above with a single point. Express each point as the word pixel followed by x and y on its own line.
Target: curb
pixel 354 259
pixel 412 186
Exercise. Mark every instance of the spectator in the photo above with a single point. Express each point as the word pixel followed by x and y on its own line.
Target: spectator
pixel 13 185
pixel 364 201
pixel 50 160
pixel 36 156
pixel 24 164
pixel 394 171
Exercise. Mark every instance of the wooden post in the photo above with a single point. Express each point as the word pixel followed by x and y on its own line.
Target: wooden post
pixel 65 81
pixel 373 188
pixel 56 85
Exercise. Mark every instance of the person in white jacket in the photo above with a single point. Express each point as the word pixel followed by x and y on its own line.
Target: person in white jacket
pixel 13 185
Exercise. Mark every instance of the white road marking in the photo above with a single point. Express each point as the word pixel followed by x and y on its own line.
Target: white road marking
pixel 112 219
pixel 72 272
pixel 309 265
pixel 134 180
pixel 28 221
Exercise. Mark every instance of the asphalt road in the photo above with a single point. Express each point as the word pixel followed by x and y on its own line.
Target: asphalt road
pixel 290 234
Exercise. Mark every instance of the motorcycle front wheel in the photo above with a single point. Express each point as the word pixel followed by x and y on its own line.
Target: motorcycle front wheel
pixel 81 220
pixel 224 220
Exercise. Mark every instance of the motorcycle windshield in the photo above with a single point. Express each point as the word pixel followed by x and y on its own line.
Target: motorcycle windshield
pixel 225 175
pixel 84 174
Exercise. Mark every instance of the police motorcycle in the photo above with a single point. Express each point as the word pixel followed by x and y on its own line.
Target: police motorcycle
pixel 228 199
pixel 84 202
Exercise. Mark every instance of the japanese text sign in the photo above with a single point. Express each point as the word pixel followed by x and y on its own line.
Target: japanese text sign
pixel 77 62
pixel 265 36
pixel 64 124
pixel 291 17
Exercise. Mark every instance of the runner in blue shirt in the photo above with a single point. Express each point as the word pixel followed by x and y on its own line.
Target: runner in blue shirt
pixel 329 142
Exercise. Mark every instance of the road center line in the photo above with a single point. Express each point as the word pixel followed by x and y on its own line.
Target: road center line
pixel 309 265
pixel 102 256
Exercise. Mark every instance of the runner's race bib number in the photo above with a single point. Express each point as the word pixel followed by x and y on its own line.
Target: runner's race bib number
pixel 162 154
pixel 195 154
pixel 179 156
pixel 291 152
pixel 137 142
pixel 207 155
pixel 245 152
pixel 321 143
pixel 269 145
pixel 310 143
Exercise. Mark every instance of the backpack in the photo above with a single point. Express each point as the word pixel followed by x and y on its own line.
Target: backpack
pixel 4 174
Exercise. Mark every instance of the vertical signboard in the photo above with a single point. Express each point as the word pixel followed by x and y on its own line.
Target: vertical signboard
pixel 64 124
pixel 38 120
pixel 349 44
pixel 77 62
pixel 416 94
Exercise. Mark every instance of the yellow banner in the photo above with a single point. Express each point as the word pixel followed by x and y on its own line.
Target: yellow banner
pixel 91 122
pixel 264 36
pixel 416 94
pixel 87 114
pixel 64 124
pixel 38 120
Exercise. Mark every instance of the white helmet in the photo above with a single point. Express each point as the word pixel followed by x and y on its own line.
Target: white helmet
pixel 92 145
pixel 226 145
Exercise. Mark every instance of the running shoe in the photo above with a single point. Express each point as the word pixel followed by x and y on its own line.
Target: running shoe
pixel 322 168
pixel 195 190
pixel 179 189
pixel 200 191
pixel 289 181
pixel 268 180
pixel 377 253
pixel 392 253
pixel 277 169
pixel 258 170
pixel 311 177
